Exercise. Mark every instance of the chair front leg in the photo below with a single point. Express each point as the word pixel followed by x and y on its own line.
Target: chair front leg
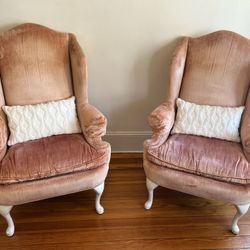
pixel 151 186
pixel 99 190
pixel 241 210
pixel 5 212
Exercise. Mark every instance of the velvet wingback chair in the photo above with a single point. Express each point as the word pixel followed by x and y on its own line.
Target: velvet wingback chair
pixel 209 70
pixel 39 65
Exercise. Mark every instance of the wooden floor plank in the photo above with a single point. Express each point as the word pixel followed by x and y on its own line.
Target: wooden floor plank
pixel 176 220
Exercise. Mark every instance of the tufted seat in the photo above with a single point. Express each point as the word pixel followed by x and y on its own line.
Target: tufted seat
pixel 213 158
pixel 48 157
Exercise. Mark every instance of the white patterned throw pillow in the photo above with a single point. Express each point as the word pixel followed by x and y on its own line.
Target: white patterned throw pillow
pixel 30 122
pixel 210 121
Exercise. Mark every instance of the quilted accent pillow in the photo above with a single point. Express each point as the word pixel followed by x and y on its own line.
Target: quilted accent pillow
pixel 30 122
pixel 210 121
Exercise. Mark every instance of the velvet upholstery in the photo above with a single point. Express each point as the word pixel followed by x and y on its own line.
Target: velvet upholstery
pixel 35 65
pixel 217 63
pixel 3 125
pixel 29 191
pixel 48 157
pixel 215 70
pixel 93 124
pixel 38 64
pixel 196 185
pixel 208 157
pixel 245 128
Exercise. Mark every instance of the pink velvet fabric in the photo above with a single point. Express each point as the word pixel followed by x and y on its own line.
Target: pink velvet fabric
pixel 49 157
pixel 213 158
pixel 29 191
pixel 217 70
pixel 161 120
pixel 197 185
pixel 245 128
pixel 93 124
pixel 35 65
pixel 3 125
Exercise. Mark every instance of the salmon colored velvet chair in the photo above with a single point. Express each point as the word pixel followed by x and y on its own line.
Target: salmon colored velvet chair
pixel 210 70
pixel 39 65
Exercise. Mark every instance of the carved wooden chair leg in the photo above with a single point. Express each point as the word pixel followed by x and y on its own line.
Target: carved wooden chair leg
pixel 151 186
pixel 241 210
pixel 99 190
pixel 5 212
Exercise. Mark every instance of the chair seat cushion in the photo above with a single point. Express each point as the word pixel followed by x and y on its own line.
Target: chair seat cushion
pixel 209 157
pixel 49 157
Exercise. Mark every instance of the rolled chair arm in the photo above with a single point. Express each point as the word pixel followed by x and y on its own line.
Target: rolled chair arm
pixel 247 149
pixel 3 136
pixel 93 124
pixel 245 134
pixel 161 121
pixel 4 132
pixel 246 146
pixel 245 129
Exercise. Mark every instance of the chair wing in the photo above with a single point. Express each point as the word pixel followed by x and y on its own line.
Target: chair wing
pixel 161 119
pixel 93 122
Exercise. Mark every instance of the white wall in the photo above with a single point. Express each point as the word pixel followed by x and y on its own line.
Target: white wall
pixel 128 44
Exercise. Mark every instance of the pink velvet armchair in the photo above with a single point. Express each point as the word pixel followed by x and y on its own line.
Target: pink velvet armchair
pixel 38 65
pixel 212 70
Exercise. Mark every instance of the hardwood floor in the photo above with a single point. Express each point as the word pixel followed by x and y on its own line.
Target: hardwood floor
pixel 176 220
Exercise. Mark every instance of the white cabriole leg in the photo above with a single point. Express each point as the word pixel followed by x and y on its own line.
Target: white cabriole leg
pixel 241 210
pixel 5 212
pixel 151 186
pixel 99 190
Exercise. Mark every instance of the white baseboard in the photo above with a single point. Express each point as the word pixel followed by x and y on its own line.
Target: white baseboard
pixel 127 141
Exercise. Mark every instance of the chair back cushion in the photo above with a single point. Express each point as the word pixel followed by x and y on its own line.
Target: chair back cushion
pixel 34 65
pixel 217 70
